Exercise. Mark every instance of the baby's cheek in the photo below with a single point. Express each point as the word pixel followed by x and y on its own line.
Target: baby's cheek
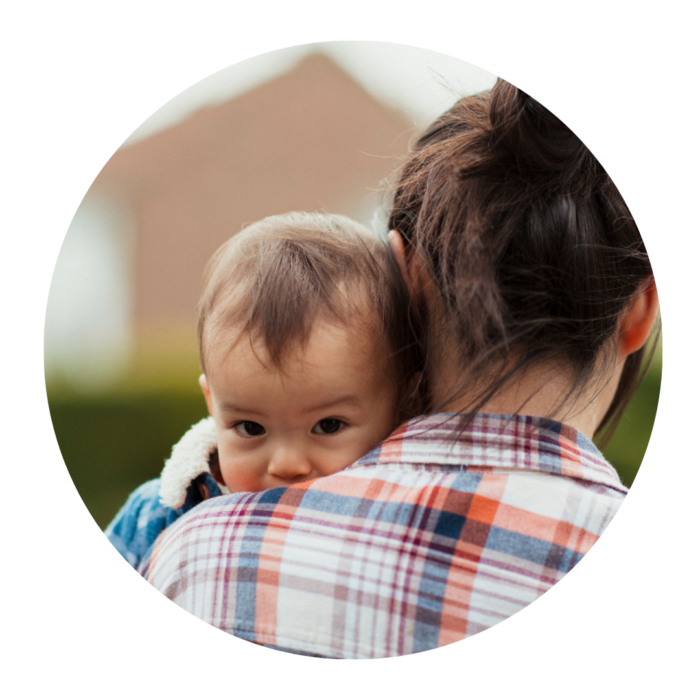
pixel 240 475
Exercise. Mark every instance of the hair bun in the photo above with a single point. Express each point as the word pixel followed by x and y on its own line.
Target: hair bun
pixel 525 127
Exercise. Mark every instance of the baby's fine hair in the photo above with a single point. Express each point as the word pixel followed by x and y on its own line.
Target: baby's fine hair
pixel 277 277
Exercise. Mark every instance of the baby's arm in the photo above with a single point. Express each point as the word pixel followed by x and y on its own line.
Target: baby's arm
pixel 138 524
pixel 143 517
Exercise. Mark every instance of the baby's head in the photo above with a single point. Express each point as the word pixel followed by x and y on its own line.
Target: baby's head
pixel 306 347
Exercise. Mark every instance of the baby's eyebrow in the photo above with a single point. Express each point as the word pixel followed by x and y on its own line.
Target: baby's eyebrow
pixel 347 399
pixel 233 408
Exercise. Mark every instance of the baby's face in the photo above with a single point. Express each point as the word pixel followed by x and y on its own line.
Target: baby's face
pixel 333 402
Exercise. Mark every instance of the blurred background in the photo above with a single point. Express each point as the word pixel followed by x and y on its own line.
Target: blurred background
pixel 162 178
pixel 317 127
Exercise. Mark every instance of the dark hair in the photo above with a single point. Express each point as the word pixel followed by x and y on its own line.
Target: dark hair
pixel 275 278
pixel 533 250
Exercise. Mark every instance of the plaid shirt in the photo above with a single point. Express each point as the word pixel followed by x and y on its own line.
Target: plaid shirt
pixel 421 543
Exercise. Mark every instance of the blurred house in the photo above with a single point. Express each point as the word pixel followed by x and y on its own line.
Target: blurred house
pixel 312 139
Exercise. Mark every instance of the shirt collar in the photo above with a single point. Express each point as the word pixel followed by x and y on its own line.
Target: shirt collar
pixel 493 441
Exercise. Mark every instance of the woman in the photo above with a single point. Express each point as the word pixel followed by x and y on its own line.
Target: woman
pixel 535 299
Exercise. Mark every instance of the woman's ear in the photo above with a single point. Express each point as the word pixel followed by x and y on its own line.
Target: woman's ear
pixel 410 269
pixel 636 323
pixel 398 250
pixel 206 392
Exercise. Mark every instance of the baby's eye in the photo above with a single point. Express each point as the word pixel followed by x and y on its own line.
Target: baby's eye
pixel 327 426
pixel 248 428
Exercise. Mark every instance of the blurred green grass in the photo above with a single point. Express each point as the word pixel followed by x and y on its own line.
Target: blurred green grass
pixel 626 449
pixel 113 442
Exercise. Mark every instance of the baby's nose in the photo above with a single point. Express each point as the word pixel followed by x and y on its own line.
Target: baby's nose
pixel 288 463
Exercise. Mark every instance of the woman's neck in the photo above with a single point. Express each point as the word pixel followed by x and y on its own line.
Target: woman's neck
pixel 538 391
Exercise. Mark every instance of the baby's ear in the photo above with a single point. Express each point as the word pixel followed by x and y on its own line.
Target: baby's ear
pixel 206 392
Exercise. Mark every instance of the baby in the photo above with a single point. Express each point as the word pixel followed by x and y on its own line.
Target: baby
pixel 309 362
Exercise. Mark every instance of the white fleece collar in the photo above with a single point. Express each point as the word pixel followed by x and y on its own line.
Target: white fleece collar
pixel 189 459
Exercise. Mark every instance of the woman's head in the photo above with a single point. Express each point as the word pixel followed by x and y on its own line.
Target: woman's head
pixel 307 354
pixel 532 252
